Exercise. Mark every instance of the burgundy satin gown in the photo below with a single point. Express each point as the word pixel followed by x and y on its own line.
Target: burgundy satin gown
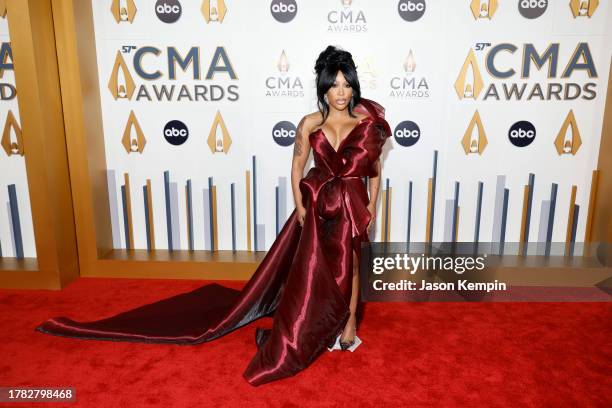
pixel 304 282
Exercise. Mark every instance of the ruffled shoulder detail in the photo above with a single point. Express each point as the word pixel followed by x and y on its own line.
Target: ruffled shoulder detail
pixel 379 132
pixel 376 111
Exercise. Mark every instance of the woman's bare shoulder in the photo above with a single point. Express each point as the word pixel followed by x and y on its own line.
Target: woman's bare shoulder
pixel 314 118
pixel 316 115
pixel 309 122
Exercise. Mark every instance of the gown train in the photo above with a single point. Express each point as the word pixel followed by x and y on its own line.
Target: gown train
pixel 304 282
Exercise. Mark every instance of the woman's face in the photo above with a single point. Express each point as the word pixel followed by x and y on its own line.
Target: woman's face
pixel 340 93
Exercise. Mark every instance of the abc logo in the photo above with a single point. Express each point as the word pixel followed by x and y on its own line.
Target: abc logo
pixel 176 132
pixel 283 133
pixel 168 11
pixel 532 8
pixel 522 133
pixel 407 133
pixel 411 10
pixel 283 11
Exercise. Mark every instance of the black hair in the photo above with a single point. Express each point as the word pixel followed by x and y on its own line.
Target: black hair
pixel 330 61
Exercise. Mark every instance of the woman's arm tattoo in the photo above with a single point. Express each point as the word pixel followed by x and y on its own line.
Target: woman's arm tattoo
pixel 297 145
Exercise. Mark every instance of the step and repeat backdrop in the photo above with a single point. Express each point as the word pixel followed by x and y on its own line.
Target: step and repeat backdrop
pixel 16 228
pixel 201 99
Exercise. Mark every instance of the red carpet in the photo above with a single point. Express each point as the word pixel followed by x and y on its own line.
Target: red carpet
pixel 414 354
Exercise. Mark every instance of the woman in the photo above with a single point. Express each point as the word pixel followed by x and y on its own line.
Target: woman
pixel 308 280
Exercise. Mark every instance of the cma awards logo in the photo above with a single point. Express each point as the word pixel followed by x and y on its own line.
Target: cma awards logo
pixel 283 133
pixel 346 19
pixel 12 140
pixel 7 90
pixel 522 134
pixel 122 81
pixel 411 10
pixel 283 11
pixel 168 11
pixel 407 133
pixel 284 84
pixel 410 85
pixel 470 83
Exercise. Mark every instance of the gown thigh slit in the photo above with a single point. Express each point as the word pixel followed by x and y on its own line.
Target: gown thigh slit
pixel 304 282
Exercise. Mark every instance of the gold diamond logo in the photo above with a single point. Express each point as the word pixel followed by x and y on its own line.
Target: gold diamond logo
pixel 219 139
pixel 469 83
pixel 123 10
pixel 214 10
pixel 120 83
pixel 474 140
pixel 568 139
pixel 133 139
pixel 483 8
pixel 409 63
pixel 583 8
pixel 283 63
pixel 12 140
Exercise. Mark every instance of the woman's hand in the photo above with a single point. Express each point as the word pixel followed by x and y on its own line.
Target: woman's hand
pixel 372 210
pixel 301 214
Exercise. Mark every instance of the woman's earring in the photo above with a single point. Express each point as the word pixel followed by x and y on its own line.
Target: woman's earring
pixel 325 98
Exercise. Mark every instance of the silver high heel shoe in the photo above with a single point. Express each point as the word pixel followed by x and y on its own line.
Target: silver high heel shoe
pixel 345 345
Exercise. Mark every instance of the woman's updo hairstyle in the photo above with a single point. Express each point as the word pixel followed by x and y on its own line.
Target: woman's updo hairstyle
pixel 329 62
